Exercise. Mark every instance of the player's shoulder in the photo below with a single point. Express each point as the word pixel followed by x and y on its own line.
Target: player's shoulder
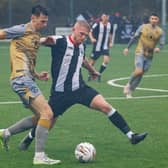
pixel 15 31
pixel 159 29
pixel 95 25
pixel 144 25
pixel 17 28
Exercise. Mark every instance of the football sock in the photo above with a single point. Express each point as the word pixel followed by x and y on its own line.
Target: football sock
pixel 118 121
pixel 41 134
pixel 102 68
pixel 21 125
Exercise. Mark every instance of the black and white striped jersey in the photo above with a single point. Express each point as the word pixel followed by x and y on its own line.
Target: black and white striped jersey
pixel 67 60
pixel 101 33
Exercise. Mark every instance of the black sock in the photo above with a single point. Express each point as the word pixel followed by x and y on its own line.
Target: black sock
pixel 119 122
pixel 102 68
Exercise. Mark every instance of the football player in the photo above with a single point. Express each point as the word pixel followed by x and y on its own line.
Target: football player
pixel 148 36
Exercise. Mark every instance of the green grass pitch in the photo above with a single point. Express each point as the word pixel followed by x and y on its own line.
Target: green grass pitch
pixel 81 124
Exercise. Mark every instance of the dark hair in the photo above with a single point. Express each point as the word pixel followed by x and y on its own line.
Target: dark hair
pixel 154 14
pixel 38 9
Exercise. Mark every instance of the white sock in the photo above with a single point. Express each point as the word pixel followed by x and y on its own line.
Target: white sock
pixel 6 132
pixel 39 154
pixel 103 64
pixel 111 112
pixel 129 134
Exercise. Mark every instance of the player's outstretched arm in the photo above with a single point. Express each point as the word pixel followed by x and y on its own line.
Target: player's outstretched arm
pixel 49 40
pixel 2 34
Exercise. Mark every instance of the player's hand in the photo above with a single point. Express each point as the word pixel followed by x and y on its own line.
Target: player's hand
pixel 94 75
pixel 125 52
pixel 157 50
pixel 47 40
pixel 110 45
pixel 93 40
pixel 43 76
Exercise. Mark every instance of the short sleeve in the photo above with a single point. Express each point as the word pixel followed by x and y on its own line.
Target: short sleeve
pixel 15 31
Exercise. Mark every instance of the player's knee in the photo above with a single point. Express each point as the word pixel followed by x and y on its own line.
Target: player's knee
pixel 138 72
pixel 92 62
pixel 105 108
pixel 106 60
pixel 47 113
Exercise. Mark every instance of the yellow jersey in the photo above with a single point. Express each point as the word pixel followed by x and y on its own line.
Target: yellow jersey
pixel 23 49
pixel 149 37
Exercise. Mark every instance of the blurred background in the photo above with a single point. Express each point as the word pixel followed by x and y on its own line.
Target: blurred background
pixel 127 14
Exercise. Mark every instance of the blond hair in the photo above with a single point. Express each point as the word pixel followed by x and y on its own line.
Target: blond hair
pixel 82 23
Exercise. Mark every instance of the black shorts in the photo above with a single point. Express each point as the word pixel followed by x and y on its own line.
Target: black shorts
pixel 61 101
pixel 96 54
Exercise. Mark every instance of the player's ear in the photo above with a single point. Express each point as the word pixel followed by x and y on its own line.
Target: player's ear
pixel 33 17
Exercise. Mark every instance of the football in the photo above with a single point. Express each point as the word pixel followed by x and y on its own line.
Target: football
pixel 85 152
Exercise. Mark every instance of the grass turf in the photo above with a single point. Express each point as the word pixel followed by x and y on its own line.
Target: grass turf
pixel 82 124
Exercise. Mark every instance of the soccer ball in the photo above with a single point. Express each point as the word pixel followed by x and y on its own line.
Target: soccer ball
pixel 85 152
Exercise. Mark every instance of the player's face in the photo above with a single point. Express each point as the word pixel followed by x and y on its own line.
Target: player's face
pixel 80 33
pixel 39 22
pixel 154 20
pixel 105 18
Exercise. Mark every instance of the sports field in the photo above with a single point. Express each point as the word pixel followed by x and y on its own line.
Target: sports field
pixel 147 111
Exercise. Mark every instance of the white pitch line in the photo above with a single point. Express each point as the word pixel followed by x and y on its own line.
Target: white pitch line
pixel 137 97
pixel 107 98
pixel 112 82
pixel 11 102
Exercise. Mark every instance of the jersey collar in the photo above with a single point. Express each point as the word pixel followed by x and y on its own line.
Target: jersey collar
pixel 72 41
